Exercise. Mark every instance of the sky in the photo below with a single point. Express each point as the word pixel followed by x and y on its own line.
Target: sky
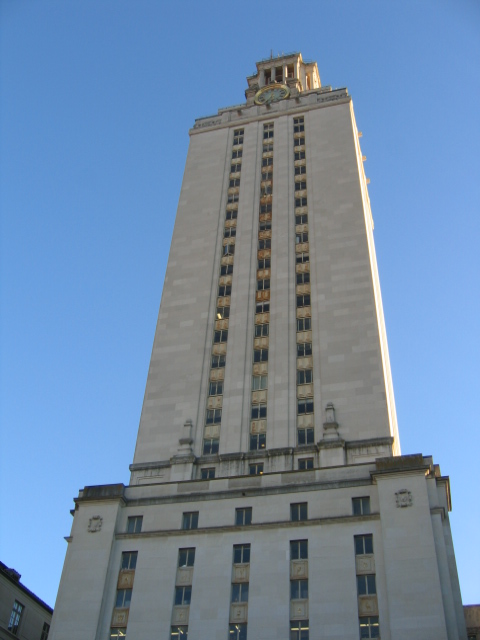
pixel 96 100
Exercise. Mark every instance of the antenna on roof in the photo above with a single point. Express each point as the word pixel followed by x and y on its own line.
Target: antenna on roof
pixel 271 54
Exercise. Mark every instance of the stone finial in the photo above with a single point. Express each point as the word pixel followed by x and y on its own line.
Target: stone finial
pixel 185 442
pixel 330 426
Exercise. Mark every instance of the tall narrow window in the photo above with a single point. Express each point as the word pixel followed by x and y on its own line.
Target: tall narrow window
pixel 15 617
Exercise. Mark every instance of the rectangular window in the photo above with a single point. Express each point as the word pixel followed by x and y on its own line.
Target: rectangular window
pixel 299 550
pixel 218 362
pixel 134 524
pixel 366 585
pixel 303 278
pixel 183 595
pixel 267 162
pixel 265 226
pixel 237 153
pixel 210 446
pixel 267 176
pixel 301 202
pixel 265 243
pixel 369 627
pixel 259 382
pixel 214 416
pixel 15 617
pixel 290 71
pixel 299 155
pixel 299 630
pixel 301 236
pixel 267 147
pixel 302 258
pixel 232 197
pixel 305 436
pixel 264 263
pixel 261 330
pixel 260 355
pixel 118 633
pixel 363 544
pixel 179 633
pixel 237 631
pixel 231 215
pixel 45 631
pixel 299 511
pixel 304 406
pixel 223 313
pixel 299 142
pixel 304 349
pixel 220 336
pixel 243 516
pixel 262 307
pixel 268 131
pixel 216 388
pixel 225 289
pixel 226 269
pixel 259 411
pixel 238 137
pixel 304 376
pixel 304 324
pixel 301 218
pixel 129 560
pixel 298 589
pixel 190 520
pixel 240 592
pixel 298 125
pixel 361 506
pixel 305 463
pixel 303 300
pixel 241 554
pixel 263 285
pixel 301 185
pixel 230 232
pixel 301 170
pixel 236 167
pixel 258 441
pixel 266 208
pixel 235 182
pixel 256 469
pixel 123 598
pixel 229 250
pixel 186 557
pixel 208 474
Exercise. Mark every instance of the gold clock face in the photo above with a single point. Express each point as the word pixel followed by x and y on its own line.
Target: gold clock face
pixel 272 93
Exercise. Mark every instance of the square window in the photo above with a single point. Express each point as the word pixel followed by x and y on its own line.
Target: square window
pixel 214 416
pixel 305 436
pixel 15 617
pixel 299 511
pixel 300 202
pixel 256 469
pixel 237 154
pixel 215 388
pixel 301 236
pixel 304 324
pixel 241 554
pixel 124 596
pixel 118 633
pixel 299 630
pixel 243 516
pixel 229 250
pixel 366 585
pixel 259 411
pixel 299 171
pixel 129 560
pixel 186 557
pixel 134 524
pixel 261 330
pixel 262 307
pixel 259 382
pixel 298 589
pixel 258 441
pixel 227 269
pixel 239 592
pixel 263 285
pixel 300 185
pixel 190 520
pixel 183 595
pixel 260 355
pixel 361 506
pixel 230 232
pixel 304 349
pixel 179 633
pixel 369 627
pixel 223 313
pixel 230 215
pixel 299 550
pixel 305 407
pixel 299 155
pixel 220 336
pixel 208 474
pixel 303 278
pixel 264 243
pixel 218 362
pixel 305 463
pixel 303 301
pixel 302 258
pixel 237 631
pixel 363 544
pixel 304 376
pixel 264 263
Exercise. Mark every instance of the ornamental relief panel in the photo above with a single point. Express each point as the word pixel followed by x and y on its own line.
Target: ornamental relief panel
pixel 403 498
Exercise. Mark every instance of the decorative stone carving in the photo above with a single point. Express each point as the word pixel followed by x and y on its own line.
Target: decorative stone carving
pixel 95 524
pixel 298 609
pixel 238 612
pixel 404 498
pixel 184 576
pixel 241 572
pixel 367 606
pixel 330 426
pixel 119 618
pixel 125 579
pixel 180 614
pixel 186 441
pixel 299 569
pixel 364 564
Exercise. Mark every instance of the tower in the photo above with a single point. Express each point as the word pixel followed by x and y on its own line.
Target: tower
pixel 268 497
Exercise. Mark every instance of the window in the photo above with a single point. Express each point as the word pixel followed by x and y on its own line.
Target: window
pixel 45 630
pixel 361 506
pixel 263 285
pixel 208 474
pixel 237 631
pixel 226 269
pixel 299 550
pixel 267 176
pixel 223 313
pixel 265 226
pixel 302 218
pixel 304 349
pixel 220 336
pixel 15 617
pixel 299 630
pixel 240 592
pixel 268 76
pixel 303 300
pixel 225 289
pixel 290 71
pixel 243 516
pixel 305 463
pixel 301 236
pixel 267 131
pixel 123 599
pixel 299 142
pixel 237 153
pixel 238 136
pixel 304 376
pixel 264 263
pixel 267 162
pixel 210 446
pixel 190 520
pixel 229 250
pixel 183 595
pixel 298 124
pixel 302 258
pixel 218 362
pixel 234 182
pixel 259 411
pixel 363 544
pixel 265 243
pixel 214 416
pixel 186 557
pixel 241 554
pixel 134 524
pixel 369 627
pixel 366 585
pixel 299 511
pixel 301 202
pixel 299 155
pixel 261 330
pixel 118 633
pixel 129 560
pixel 216 388
pixel 260 355
pixel 266 208
pixel 304 324
pixel 237 166
pixel 259 382
pixel 300 186
pixel 179 633
pixel 304 406
pixel 298 589
pixel 267 147
pixel 278 74
pixel 266 190
pixel 306 436
pixel 258 441
pixel 303 278
pixel 231 215
pixel 262 307
pixel 301 170
pixel 232 197
pixel 230 232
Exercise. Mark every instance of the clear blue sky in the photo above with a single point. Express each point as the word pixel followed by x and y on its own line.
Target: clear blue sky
pixel 97 97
